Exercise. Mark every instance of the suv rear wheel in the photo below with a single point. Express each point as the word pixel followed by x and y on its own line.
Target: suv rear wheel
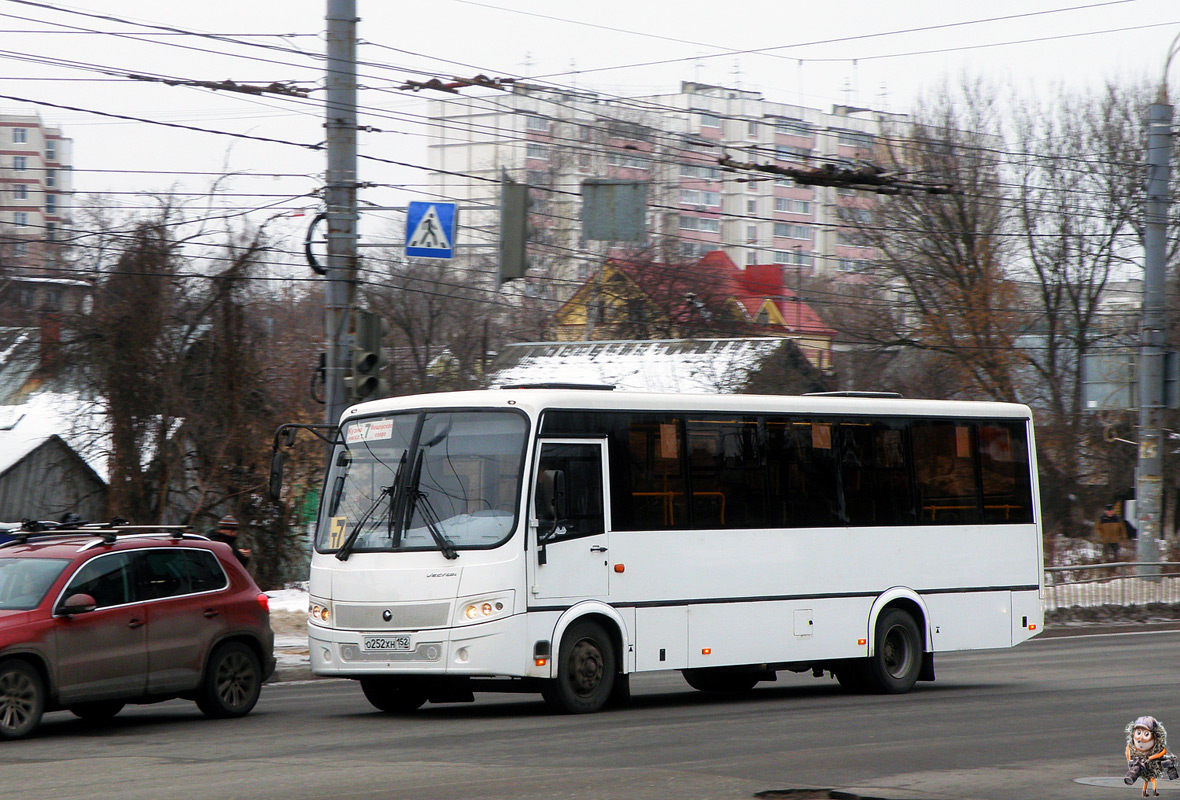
pixel 22 699
pixel 232 683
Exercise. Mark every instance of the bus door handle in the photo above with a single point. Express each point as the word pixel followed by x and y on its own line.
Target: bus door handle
pixel 597 549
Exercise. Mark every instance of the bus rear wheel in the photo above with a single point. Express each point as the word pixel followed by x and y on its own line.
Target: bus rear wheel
pixel 585 670
pixel 391 695
pixel 723 680
pixel 897 654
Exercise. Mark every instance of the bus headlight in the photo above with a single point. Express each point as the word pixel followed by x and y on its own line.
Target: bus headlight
pixel 319 612
pixel 482 609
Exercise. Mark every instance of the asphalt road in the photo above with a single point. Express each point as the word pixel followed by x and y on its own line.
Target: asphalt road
pixel 1021 723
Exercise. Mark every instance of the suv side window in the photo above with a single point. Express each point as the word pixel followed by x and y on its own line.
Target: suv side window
pixel 170 573
pixel 107 579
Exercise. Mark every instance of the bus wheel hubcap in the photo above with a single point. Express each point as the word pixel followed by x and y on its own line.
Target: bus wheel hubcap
pixel 897 653
pixel 586 667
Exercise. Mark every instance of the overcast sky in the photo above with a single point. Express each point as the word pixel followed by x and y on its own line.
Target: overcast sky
pixel 866 52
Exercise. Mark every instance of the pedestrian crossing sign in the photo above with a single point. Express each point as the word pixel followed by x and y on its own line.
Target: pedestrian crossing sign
pixel 430 230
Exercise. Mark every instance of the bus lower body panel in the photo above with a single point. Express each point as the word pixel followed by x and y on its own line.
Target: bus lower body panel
pixel 491 649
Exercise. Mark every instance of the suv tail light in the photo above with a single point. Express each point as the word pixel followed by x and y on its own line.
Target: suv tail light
pixel 264 601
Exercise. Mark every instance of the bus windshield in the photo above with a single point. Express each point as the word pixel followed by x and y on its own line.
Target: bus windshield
pixel 434 480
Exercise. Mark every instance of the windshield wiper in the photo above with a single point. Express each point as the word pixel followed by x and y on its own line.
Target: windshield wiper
pixel 397 477
pixel 346 548
pixel 416 496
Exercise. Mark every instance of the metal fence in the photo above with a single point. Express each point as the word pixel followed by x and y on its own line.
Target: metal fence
pixel 1113 584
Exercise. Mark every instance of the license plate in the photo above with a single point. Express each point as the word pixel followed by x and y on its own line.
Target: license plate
pixel 387 643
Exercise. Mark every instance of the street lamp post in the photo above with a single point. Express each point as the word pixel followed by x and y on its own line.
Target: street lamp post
pixel 340 196
pixel 1153 329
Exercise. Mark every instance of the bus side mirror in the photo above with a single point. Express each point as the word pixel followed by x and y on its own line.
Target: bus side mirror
pixel 551 506
pixel 551 498
pixel 276 475
pixel 560 498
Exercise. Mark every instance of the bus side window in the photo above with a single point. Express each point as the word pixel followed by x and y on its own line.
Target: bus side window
pixel 569 492
pixel 1007 492
pixel 944 468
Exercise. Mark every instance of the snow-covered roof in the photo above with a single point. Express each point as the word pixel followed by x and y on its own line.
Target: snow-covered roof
pixel 20 355
pixel 53 281
pixel 671 365
pixel 80 423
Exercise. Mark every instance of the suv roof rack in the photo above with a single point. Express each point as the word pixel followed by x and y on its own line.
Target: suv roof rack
pixel 107 532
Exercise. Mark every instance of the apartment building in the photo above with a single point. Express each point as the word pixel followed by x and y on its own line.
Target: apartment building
pixel 555 139
pixel 36 184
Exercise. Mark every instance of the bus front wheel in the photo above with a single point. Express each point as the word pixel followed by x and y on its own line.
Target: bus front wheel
pixel 391 695
pixel 585 670
pixel 897 654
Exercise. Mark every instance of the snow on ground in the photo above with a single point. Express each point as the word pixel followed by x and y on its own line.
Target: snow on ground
pixel 293 599
pixel 288 619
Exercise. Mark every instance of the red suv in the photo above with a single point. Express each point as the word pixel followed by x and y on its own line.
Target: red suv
pixel 93 619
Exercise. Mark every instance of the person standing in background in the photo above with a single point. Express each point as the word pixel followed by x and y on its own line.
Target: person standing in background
pixel 227 531
pixel 1110 531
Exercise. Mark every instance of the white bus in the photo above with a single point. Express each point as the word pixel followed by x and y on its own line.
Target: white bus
pixel 558 540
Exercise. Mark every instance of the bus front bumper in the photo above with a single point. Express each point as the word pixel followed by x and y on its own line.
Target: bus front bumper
pixel 498 648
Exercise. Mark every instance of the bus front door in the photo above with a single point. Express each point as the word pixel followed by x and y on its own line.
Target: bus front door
pixel 570 521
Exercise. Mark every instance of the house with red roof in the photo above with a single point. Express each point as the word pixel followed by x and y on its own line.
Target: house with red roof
pixel 631 299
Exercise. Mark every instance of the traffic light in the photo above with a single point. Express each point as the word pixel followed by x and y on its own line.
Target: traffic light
pixel 514 229
pixel 365 381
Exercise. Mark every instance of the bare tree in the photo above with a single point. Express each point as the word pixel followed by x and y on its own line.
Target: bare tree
pixel 1078 203
pixel 1006 280
pixel 943 256
pixel 186 356
pixel 127 349
pixel 442 323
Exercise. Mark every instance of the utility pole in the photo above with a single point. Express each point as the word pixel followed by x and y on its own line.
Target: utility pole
pixel 1152 333
pixel 340 201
